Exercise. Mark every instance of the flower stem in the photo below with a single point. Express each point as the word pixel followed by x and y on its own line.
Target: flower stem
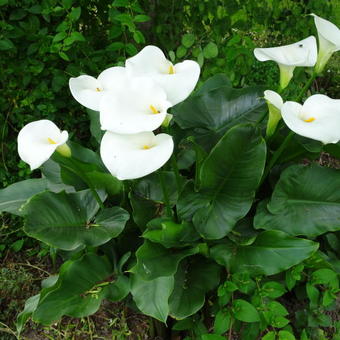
pixel 306 87
pixel 165 194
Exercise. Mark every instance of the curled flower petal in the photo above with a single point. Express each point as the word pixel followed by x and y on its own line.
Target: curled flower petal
pixel 135 156
pixel 329 41
pixel 318 118
pixel 140 106
pixel 301 53
pixel 38 140
pixel 177 80
pixel 273 98
pixel 88 90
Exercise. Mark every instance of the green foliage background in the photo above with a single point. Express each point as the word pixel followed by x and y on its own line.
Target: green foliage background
pixel 44 43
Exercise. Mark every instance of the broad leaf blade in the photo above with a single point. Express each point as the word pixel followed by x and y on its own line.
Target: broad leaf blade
pixel 229 177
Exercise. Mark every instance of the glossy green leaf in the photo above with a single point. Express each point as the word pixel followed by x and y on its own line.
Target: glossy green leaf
pixel 65 221
pixel 212 337
pixel 152 296
pixel 118 289
pixel 216 108
pixel 30 306
pixel 170 234
pixel 272 252
pixel 304 202
pixel 245 311
pixel 188 40
pixel 194 278
pixel 210 50
pixel 14 196
pixel 76 292
pixel 153 260
pixel 229 181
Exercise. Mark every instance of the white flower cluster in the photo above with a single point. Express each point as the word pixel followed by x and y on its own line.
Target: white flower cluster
pixel 319 117
pixel 132 102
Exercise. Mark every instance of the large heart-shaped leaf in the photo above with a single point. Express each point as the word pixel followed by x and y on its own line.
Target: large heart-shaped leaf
pixel 153 260
pixel 229 177
pixel 65 220
pixel 152 296
pixel 215 109
pixel 75 292
pixel 304 202
pixel 272 252
pixel 194 278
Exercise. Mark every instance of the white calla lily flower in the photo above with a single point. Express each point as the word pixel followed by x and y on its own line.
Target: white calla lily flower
pixel 301 53
pixel 318 118
pixel 274 102
pixel 88 91
pixel 329 41
pixel 135 156
pixel 140 106
pixel 38 140
pixel 177 80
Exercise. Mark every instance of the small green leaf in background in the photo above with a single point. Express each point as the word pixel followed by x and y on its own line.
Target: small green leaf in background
pixel 17 245
pixel 222 321
pixel 273 289
pixel 75 13
pixel 269 336
pixel 188 40
pixel 210 50
pixel 212 337
pixel 141 18
pixel 181 52
pixel 285 335
pixel 245 311
pixel 6 44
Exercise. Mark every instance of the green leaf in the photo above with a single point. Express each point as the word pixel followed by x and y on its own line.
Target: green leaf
pixel 6 44
pixel 216 108
pixel 212 337
pixel 273 289
pixel 228 181
pixel 181 51
pixel 141 18
pixel 269 336
pixel 194 278
pixel 210 50
pixel 65 220
pixel 75 293
pixel 285 335
pixel 67 4
pixel 75 13
pixel 170 234
pixel 151 297
pixel 213 83
pixel 59 36
pixel 188 40
pixel 244 311
pixel 153 260
pixel 304 202
pixel 118 289
pixel 17 245
pixel 14 196
pixel 222 321
pixel 272 252
pixel 30 306
pixel 64 56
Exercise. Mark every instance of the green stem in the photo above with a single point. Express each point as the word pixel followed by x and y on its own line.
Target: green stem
pixel 165 194
pixel 177 174
pixel 276 155
pixel 306 87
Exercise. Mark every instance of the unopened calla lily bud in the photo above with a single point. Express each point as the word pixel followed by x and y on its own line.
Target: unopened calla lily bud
pixel 38 140
pixel 274 102
pixel 301 53
pixel 318 118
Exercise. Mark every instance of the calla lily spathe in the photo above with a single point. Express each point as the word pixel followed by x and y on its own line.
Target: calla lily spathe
pixel 140 106
pixel 177 80
pixel 301 53
pixel 274 102
pixel 38 140
pixel 135 156
pixel 318 118
pixel 329 41
pixel 88 91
